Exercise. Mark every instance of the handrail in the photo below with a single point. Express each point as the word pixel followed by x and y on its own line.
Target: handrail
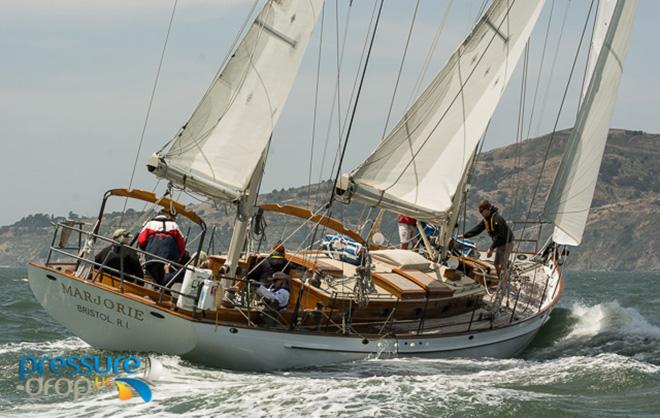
pixel 122 274
pixel 303 213
pixel 163 201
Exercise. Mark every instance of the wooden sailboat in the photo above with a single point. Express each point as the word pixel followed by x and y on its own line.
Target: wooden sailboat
pixel 392 302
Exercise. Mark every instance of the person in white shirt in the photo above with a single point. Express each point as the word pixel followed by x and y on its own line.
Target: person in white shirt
pixel 278 292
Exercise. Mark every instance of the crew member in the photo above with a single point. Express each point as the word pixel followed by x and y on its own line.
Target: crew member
pixel 114 255
pixel 407 231
pixel 500 233
pixel 161 237
pixel 275 262
pixel 277 294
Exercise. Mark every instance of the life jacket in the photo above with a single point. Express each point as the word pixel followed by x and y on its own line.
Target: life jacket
pixel 490 226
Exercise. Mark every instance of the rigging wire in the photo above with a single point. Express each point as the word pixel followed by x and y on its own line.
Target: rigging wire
pixel 429 56
pixel 335 94
pixel 340 127
pixel 516 180
pixel 546 95
pixel 554 129
pixel 151 101
pixel 398 77
pixel 355 104
pixel 586 66
pixel 449 106
pixel 316 103
pixel 248 19
pixel 540 73
pixel 355 83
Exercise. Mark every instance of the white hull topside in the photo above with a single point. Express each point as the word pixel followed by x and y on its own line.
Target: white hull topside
pixel 107 320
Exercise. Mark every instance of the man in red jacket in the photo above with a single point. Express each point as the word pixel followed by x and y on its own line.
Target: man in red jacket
pixel 407 231
pixel 161 237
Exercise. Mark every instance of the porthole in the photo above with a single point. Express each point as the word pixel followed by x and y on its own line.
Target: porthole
pixel 233 330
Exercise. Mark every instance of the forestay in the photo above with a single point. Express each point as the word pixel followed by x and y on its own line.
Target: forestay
pixel 573 190
pixel 217 151
pixel 417 169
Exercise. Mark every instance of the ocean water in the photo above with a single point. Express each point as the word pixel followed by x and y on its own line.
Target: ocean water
pixel 598 356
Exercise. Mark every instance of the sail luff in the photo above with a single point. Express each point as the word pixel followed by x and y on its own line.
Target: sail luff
pixel 417 169
pixel 571 194
pixel 217 151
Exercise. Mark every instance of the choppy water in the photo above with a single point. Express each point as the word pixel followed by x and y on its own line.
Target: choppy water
pixel 599 355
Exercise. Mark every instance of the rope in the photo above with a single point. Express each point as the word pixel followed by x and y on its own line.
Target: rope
pixel 357 99
pixel 429 56
pixel 151 101
pixel 355 84
pixel 398 77
pixel 538 77
pixel 316 103
pixel 335 94
pixel 561 106
pixel 552 67
pixel 519 134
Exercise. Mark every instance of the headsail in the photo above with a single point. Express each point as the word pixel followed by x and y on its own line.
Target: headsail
pixel 217 151
pixel 573 190
pixel 417 169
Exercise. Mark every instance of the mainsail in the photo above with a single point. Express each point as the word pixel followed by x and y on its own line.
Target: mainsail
pixel 417 169
pixel 573 190
pixel 217 151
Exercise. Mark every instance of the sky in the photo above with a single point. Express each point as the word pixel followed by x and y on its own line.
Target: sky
pixel 76 79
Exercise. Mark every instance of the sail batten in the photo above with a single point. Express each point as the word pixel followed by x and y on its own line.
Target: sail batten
pixel 217 151
pixel 571 194
pixel 417 169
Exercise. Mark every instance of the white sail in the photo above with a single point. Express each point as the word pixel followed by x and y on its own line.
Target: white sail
pixel 416 170
pixel 217 151
pixel 573 190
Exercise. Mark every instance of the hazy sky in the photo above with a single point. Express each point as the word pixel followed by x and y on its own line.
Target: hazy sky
pixel 76 77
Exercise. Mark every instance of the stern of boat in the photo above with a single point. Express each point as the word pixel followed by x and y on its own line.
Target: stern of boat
pixel 106 318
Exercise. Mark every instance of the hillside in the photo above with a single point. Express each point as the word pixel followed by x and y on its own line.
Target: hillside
pixel 622 231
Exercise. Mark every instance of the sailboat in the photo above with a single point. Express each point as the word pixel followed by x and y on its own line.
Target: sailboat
pixel 384 302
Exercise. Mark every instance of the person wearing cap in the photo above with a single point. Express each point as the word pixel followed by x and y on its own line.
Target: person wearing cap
pixel 277 293
pixel 116 254
pixel 500 233
pixel 407 231
pixel 276 262
pixel 161 237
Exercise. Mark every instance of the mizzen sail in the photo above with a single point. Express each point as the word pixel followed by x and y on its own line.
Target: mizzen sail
pixel 217 151
pixel 417 169
pixel 573 190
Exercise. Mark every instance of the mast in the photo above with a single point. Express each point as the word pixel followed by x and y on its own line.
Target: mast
pixel 447 230
pixel 244 210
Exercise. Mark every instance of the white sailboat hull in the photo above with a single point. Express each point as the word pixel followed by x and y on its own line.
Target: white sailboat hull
pixel 110 321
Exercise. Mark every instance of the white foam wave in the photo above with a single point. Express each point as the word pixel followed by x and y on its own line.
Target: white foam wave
pixel 67 344
pixel 370 388
pixel 609 316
